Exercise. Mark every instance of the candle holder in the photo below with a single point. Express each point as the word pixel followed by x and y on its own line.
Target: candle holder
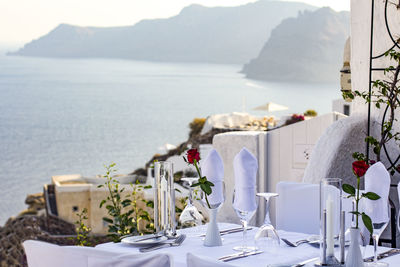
pixel 331 222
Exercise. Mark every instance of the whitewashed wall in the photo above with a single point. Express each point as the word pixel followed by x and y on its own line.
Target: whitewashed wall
pixel 228 145
pixel 360 55
pixel 360 43
pixel 282 156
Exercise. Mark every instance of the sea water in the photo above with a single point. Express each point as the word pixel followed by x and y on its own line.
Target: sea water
pixel 66 116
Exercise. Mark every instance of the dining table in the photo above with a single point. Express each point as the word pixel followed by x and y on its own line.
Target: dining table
pixel 273 254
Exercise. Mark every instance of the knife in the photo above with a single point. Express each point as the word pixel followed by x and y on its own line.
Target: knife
pixel 229 231
pixel 144 237
pixel 383 255
pixel 240 255
pixel 305 262
pixel 300 264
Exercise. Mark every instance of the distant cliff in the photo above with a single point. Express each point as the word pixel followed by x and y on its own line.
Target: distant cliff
pixel 196 34
pixel 306 48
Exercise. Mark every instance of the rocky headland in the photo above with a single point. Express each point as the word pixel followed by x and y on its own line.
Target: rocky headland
pixel 306 48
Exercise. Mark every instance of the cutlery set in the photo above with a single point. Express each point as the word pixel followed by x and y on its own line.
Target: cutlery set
pixel 173 243
pixel 179 240
pixel 240 255
pixel 229 231
pixel 297 243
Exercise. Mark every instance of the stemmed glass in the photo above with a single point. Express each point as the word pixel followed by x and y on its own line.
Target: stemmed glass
pixel 190 215
pixel 378 229
pixel 244 214
pixel 267 233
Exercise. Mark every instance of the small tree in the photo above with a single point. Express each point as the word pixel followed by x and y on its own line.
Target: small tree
pixel 120 221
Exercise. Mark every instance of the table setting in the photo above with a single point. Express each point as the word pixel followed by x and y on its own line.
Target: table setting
pixel 244 245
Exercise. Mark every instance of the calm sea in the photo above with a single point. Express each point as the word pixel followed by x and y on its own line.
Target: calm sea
pixel 65 116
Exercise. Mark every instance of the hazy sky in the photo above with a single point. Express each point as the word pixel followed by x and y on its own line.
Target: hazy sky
pixel 24 20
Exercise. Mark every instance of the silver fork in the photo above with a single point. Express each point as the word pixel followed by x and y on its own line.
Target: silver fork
pixel 295 244
pixel 177 242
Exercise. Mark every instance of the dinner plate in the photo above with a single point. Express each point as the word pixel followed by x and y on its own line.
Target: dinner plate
pixel 144 240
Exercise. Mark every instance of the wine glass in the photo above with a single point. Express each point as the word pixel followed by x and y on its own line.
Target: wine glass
pixel 190 215
pixel 245 213
pixel 378 229
pixel 266 234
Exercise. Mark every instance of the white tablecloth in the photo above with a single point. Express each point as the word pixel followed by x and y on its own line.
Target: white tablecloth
pixel 282 255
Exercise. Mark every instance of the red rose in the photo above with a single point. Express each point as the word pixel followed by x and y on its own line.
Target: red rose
pixel 360 168
pixel 192 154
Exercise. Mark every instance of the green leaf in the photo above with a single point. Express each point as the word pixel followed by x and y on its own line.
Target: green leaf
pixel 194 185
pixel 147 187
pixel 206 188
pixel 150 204
pixel 209 183
pixel 367 222
pixel 126 202
pixel 107 220
pixel 177 190
pixel 371 196
pixel 349 189
pixel 102 203
pixel 355 212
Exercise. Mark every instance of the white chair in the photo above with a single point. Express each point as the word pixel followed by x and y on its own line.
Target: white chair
pixel 195 261
pixel 297 208
pixel 43 254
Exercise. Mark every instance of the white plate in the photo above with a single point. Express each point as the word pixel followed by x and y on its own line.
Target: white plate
pixel 138 240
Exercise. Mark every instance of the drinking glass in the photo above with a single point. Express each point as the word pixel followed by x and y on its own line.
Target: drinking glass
pixel 190 215
pixel 267 235
pixel 378 229
pixel 215 199
pixel 244 215
pixel 164 199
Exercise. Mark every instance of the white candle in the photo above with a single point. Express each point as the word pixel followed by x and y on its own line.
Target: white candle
pixel 329 226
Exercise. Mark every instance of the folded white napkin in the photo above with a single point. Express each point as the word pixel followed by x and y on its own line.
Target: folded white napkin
pixel 377 180
pixel 213 168
pixel 245 167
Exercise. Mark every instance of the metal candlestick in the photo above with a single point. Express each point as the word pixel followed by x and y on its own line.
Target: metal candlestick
pixel 323 260
pixel 330 260
pixel 342 236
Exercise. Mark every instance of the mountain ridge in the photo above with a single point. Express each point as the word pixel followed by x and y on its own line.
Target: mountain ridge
pixel 317 36
pixel 227 35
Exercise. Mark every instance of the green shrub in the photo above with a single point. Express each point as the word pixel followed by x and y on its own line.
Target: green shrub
pixel 125 213
pixel 310 113
pixel 82 230
pixel 196 126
